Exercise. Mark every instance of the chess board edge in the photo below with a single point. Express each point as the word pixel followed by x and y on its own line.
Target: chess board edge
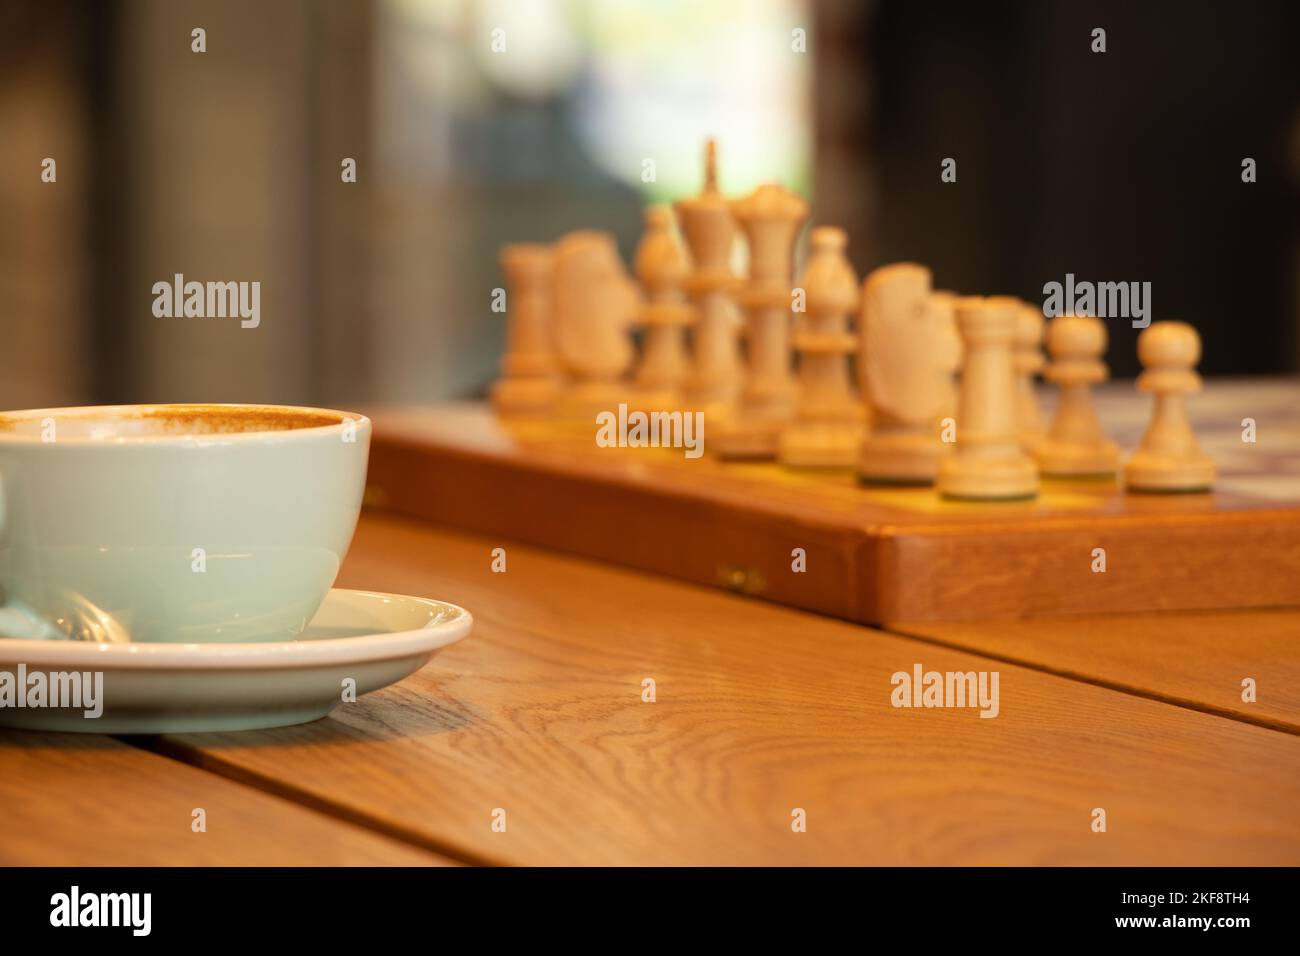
pixel 861 565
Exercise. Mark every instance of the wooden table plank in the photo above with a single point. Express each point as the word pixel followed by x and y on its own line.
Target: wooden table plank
pixel 1195 658
pixel 759 710
pixel 89 800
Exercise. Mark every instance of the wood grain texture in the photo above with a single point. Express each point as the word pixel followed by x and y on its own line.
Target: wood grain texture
pixel 1195 658
pixel 759 710
pixel 882 555
pixel 88 800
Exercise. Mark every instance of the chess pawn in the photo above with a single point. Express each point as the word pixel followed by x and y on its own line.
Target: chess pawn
pixel 770 218
pixel 529 380
pixel 1169 458
pixel 905 363
pixel 987 462
pixel 714 381
pixel 827 427
pixel 1027 360
pixel 662 268
pixel 1075 445
pixel 594 303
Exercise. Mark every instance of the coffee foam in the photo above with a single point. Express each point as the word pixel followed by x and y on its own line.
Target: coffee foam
pixel 143 420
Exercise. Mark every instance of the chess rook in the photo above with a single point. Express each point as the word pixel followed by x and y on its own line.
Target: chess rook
pixel 529 380
pixel 909 350
pixel 1169 459
pixel 827 427
pixel 662 268
pixel 1076 445
pixel 714 380
pixel 770 218
pixel 987 461
pixel 594 303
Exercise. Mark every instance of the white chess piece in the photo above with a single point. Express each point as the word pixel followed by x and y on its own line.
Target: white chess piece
pixel 594 303
pixel 1028 361
pixel 908 353
pixel 987 461
pixel 827 427
pixel 714 381
pixel 1075 445
pixel 770 218
pixel 1169 458
pixel 942 324
pixel 662 267
pixel 529 380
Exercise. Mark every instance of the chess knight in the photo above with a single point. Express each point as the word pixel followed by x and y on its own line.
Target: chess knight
pixel 595 303
pixel 910 350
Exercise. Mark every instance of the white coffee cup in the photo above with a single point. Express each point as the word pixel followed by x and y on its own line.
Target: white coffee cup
pixel 176 523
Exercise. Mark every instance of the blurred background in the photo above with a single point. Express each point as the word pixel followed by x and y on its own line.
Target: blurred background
pixel 478 122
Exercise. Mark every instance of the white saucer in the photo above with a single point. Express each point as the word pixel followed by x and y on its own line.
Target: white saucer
pixel 375 639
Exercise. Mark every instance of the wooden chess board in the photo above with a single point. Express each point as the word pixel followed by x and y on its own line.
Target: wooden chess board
pixel 873 554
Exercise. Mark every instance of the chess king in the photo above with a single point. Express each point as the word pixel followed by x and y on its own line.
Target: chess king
pixel 714 381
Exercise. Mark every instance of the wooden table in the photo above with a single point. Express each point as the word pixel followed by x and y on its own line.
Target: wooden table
pixel 759 711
